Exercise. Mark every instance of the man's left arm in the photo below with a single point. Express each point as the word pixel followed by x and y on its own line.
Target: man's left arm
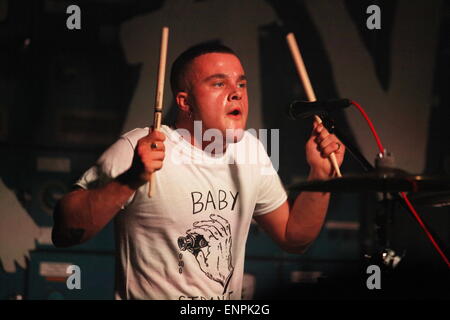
pixel 295 228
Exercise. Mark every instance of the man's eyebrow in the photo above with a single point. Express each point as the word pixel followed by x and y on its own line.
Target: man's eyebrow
pixel 222 76
pixel 216 76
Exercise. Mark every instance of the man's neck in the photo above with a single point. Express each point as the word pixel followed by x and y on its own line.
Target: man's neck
pixel 196 137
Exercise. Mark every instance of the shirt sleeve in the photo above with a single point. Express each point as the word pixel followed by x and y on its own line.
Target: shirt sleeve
pixel 271 193
pixel 113 162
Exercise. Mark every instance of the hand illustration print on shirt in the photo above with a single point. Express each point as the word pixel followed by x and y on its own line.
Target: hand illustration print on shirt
pixel 210 242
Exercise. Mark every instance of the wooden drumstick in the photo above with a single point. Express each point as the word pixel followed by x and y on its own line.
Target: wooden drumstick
pixel 301 69
pixel 159 94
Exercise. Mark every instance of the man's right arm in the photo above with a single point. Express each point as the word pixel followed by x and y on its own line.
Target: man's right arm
pixel 81 214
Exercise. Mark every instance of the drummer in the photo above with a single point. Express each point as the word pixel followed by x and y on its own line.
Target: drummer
pixel 188 240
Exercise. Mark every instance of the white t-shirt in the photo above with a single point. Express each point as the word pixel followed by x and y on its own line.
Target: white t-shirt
pixel 188 240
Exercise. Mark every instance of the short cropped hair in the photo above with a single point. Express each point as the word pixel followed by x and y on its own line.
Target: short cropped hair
pixel 180 65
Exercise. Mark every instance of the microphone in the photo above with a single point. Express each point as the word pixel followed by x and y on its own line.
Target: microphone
pixel 305 109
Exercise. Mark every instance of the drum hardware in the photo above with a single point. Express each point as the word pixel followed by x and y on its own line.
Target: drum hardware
pixel 389 181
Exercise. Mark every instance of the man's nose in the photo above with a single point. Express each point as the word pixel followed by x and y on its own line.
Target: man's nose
pixel 236 94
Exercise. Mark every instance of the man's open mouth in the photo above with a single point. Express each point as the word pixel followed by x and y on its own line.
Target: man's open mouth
pixel 235 112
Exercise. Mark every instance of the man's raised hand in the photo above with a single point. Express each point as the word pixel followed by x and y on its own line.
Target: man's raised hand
pixel 148 157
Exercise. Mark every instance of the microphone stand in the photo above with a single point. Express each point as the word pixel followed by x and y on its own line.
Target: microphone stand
pixel 383 219
pixel 349 145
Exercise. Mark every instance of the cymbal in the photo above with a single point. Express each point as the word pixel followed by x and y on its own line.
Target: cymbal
pixel 385 180
pixel 433 199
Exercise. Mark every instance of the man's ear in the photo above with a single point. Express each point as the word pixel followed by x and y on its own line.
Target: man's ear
pixel 182 101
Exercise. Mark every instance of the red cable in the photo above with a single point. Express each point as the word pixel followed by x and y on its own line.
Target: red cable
pixel 369 122
pixel 404 196
pixel 419 220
